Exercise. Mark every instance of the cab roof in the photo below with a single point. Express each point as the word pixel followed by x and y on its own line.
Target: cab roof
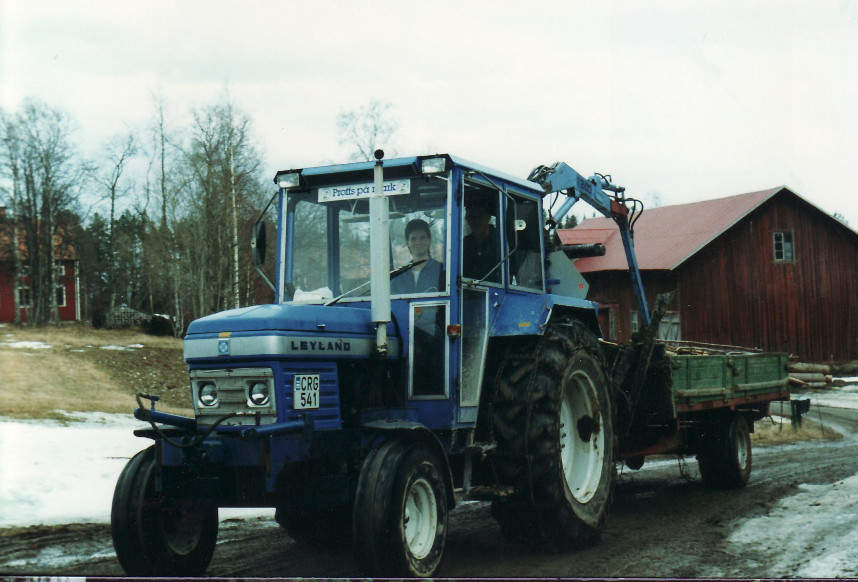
pixel 414 162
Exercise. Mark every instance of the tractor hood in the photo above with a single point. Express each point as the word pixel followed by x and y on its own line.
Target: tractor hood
pixel 287 330
pixel 288 317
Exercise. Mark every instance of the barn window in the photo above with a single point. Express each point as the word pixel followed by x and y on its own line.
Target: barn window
pixel 669 327
pixel 783 247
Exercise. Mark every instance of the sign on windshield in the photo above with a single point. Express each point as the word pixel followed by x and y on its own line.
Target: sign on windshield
pixel 358 191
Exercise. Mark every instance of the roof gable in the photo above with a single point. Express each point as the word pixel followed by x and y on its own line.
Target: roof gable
pixel 667 236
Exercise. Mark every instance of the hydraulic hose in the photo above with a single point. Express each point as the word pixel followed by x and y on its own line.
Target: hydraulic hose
pixel 195 441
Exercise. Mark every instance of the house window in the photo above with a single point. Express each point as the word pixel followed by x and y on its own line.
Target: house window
pixel 61 296
pixel 783 247
pixel 24 296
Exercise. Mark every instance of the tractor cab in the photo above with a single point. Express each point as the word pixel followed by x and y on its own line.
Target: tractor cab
pixel 466 262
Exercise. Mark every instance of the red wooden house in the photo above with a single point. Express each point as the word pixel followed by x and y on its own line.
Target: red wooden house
pixel 67 280
pixel 765 270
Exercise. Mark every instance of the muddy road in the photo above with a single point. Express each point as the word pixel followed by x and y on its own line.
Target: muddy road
pixel 664 524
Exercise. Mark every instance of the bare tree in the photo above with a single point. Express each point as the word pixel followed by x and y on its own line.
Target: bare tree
pixel 165 180
pixel 46 177
pixel 118 151
pixel 224 194
pixel 368 128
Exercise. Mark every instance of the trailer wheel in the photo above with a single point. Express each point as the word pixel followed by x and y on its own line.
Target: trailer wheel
pixel 154 535
pixel 400 513
pixel 725 458
pixel 553 422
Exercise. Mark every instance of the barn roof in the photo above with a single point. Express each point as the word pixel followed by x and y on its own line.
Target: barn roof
pixel 667 236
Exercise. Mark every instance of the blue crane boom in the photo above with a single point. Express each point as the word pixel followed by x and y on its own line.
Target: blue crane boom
pixel 561 178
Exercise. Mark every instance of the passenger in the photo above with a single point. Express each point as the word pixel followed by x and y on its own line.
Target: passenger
pixel 423 278
pixel 479 249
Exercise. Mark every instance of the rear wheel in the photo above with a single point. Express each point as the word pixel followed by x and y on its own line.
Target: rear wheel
pixel 553 422
pixel 157 535
pixel 725 458
pixel 400 514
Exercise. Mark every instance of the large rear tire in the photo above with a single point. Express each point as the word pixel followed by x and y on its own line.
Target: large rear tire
pixel 400 513
pixel 553 422
pixel 725 458
pixel 156 535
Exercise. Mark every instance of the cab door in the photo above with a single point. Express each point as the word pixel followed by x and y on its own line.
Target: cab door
pixel 482 275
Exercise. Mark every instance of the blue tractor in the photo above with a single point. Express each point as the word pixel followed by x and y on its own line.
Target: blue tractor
pixel 428 343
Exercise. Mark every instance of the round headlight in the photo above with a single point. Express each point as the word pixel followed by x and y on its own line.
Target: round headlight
pixel 259 394
pixel 208 394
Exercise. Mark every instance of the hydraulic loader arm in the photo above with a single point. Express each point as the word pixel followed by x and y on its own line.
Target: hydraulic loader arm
pixel 561 178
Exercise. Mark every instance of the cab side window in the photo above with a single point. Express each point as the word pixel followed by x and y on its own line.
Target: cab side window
pixel 523 228
pixel 480 246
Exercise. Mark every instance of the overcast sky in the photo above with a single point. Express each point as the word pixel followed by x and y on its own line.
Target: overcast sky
pixel 679 101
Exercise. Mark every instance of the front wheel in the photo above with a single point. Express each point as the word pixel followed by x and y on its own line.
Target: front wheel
pixel 400 512
pixel 155 534
pixel 725 456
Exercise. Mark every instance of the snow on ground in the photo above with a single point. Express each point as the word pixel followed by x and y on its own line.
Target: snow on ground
pixel 54 472
pixel 26 345
pixel 836 396
pixel 812 534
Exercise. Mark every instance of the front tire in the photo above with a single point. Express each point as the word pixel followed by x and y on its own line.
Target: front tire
pixel 725 458
pixel 400 513
pixel 553 422
pixel 157 535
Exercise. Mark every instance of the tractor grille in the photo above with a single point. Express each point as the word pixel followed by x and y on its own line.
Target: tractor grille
pixel 233 388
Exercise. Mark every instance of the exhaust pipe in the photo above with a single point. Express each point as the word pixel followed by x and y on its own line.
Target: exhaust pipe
pixel 379 260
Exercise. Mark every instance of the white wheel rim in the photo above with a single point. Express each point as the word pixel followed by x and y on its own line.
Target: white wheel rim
pixel 182 527
pixel 743 447
pixel 582 439
pixel 420 518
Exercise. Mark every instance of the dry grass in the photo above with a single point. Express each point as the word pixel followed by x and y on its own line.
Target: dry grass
pixel 781 431
pixel 76 373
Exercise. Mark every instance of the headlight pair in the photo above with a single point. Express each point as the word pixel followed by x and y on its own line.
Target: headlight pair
pixel 258 394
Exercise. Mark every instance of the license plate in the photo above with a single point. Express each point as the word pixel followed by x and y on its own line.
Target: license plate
pixel 306 391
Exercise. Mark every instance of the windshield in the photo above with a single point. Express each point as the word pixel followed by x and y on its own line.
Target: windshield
pixel 330 240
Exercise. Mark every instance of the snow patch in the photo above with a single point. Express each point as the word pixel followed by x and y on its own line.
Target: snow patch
pixel 130 348
pixel 56 473
pixel 810 535
pixel 27 345
pixel 59 472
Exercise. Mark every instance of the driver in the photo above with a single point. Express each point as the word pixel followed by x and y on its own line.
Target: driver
pixel 425 277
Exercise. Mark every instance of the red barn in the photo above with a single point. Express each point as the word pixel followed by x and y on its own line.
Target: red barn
pixel 765 270
pixel 67 280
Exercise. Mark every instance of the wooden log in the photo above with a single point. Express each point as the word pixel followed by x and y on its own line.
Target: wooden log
pixel 802 367
pixel 808 376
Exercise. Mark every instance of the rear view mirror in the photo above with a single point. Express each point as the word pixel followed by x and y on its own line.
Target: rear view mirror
pixel 257 243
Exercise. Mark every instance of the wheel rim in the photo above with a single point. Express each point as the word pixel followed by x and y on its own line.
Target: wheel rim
pixel 743 447
pixel 182 526
pixel 420 518
pixel 582 439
